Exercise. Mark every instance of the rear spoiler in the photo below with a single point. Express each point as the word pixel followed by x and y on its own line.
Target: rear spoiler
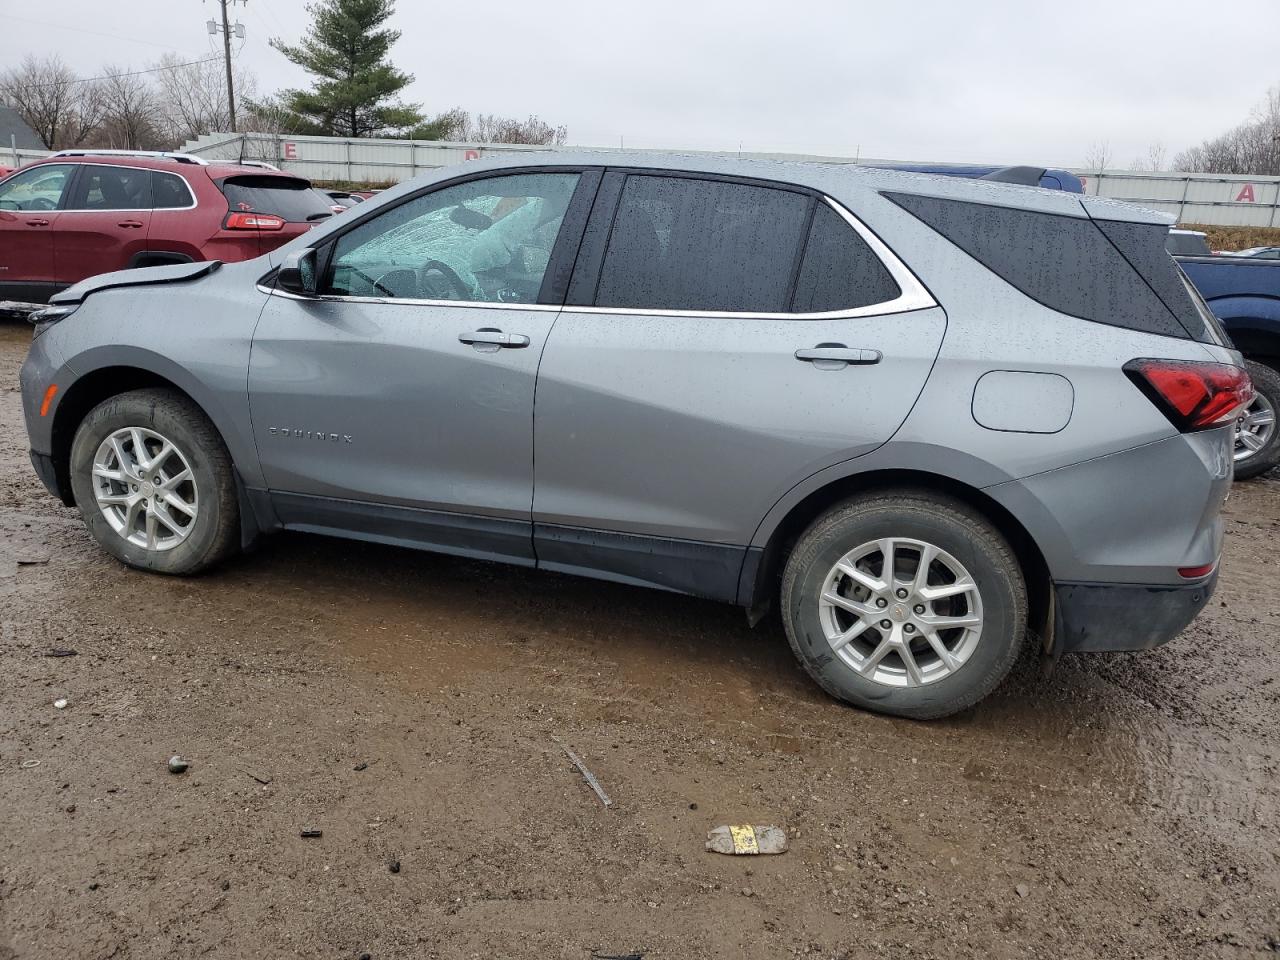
pixel 1024 176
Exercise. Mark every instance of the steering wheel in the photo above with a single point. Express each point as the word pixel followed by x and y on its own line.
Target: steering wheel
pixel 443 269
pixel 41 203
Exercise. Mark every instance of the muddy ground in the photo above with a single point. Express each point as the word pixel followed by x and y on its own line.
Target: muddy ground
pixel 408 706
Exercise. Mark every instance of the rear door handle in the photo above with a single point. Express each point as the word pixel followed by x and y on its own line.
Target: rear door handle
pixel 490 337
pixel 37 223
pixel 839 353
pixel 128 223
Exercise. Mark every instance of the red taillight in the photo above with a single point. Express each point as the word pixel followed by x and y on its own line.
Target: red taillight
pixel 253 221
pixel 1193 394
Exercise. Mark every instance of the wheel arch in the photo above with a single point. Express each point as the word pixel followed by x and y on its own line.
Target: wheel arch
pixel 105 372
pixel 760 586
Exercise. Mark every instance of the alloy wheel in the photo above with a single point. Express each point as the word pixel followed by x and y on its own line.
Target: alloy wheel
pixel 901 612
pixel 145 488
pixel 1255 428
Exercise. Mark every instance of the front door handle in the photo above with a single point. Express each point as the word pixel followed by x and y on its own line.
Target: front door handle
pixel 493 339
pixel 37 223
pixel 128 223
pixel 827 355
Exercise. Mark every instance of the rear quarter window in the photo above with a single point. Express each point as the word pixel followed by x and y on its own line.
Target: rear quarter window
pixel 293 200
pixel 1066 263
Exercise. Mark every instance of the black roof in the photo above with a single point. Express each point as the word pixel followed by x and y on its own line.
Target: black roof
pixel 12 125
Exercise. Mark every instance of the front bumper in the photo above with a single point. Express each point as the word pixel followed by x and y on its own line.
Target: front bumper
pixel 48 475
pixel 1098 617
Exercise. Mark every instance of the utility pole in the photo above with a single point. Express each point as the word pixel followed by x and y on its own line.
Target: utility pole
pixel 226 28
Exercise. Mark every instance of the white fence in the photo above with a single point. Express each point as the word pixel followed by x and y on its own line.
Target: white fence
pixel 1192 198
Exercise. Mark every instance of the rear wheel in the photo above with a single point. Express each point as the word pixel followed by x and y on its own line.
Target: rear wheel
pixel 1257 448
pixel 154 482
pixel 905 603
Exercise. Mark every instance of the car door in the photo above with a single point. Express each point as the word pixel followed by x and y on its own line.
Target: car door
pixel 29 210
pixel 722 341
pixel 104 224
pixel 399 403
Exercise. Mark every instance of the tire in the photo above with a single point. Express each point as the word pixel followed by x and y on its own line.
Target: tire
pixel 982 656
pixel 1250 464
pixel 182 544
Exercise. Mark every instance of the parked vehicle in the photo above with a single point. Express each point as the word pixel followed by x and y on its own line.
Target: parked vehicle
pixel 1258 253
pixel 344 198
pixel 1188 243
pixel 1244 293
pixel 1048 178
pixel 83 212
pixel 885 401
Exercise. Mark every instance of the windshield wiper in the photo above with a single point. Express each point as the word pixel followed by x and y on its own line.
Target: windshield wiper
pixel 318 216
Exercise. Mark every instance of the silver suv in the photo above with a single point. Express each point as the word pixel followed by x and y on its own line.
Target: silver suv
pixel 929 417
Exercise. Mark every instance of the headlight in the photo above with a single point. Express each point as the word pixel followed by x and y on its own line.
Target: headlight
pixel 48 316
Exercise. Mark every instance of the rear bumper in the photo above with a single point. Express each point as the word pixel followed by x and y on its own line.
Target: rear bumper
pixel 1098 617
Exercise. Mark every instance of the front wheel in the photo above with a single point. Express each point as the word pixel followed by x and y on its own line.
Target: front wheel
pixel 1257 447
pixel 905 603
pixel 154 482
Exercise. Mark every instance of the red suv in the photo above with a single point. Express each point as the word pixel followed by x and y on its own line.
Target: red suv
pixel 83 212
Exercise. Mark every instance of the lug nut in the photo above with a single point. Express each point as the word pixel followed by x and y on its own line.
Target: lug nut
pixel 902 594
pixel 885 624
pixel 919 609
pixel 882 602
pixel 909 628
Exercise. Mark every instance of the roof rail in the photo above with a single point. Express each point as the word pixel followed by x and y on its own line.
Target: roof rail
pixel 255 163
pixel 154 154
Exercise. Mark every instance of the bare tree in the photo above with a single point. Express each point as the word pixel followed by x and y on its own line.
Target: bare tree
pixel 1252 147
pixel 132 112
pixel 192 97
pixel 63 110
pixel 1153 162
pixel 1099 156
pixel 458 124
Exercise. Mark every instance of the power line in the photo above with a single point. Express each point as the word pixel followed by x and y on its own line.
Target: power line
pixel 96 33
pixel 131 73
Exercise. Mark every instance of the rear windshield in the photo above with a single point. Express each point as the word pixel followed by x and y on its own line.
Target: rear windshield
pixel 294 200
pixel 1109 272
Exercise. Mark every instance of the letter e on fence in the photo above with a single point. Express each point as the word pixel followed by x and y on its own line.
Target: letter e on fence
pixel 291 151
pixel 471 155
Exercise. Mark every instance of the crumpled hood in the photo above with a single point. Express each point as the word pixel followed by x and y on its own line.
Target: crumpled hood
pixel 143 276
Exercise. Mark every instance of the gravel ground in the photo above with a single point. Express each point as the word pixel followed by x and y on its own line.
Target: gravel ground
pixel 408 705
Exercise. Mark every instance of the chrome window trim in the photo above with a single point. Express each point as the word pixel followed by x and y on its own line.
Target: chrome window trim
pixel 912 293
pixel 407 301
pixel 124 166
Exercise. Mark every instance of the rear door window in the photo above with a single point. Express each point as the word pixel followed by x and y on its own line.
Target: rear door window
pixel 680 243
pixel 170 192
pixel 101 187
pixel 292 200
pixel 839 270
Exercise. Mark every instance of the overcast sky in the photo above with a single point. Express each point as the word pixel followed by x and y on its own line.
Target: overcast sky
pixel 996 81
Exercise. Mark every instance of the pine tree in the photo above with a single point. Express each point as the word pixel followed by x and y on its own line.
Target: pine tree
pixel 353 94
